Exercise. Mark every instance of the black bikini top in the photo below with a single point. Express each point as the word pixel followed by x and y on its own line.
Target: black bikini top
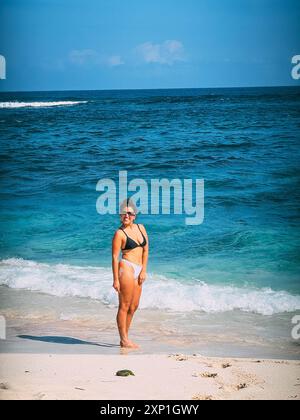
pixel 130 243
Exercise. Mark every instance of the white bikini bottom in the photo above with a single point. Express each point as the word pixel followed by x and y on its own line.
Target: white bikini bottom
pixel 136 267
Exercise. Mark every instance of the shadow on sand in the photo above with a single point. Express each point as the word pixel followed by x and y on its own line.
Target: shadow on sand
pixel 65 340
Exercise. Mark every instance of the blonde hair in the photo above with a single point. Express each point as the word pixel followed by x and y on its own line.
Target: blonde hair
pixel 128 202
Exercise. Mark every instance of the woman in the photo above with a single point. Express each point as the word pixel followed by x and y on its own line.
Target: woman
pixel 130 272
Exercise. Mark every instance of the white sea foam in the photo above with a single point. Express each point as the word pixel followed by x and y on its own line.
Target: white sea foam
pixel 17 104
pixel 159 291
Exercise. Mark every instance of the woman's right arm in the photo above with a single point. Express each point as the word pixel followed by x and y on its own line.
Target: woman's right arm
pixel 116 246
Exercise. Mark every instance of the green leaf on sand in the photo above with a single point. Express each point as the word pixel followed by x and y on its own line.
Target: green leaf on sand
pixel 124 372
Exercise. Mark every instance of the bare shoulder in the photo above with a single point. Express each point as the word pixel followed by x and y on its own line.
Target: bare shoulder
pixel 118 234
pixel 142 227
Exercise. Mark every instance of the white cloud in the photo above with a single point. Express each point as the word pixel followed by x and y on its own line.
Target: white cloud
pixel 115 60
pixel 168 52
pixel 88 56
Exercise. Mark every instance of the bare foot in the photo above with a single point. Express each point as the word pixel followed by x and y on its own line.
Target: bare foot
pixel 136 346
pixel 128 344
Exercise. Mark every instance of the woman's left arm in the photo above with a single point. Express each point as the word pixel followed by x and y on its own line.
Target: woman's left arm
pixel 142 276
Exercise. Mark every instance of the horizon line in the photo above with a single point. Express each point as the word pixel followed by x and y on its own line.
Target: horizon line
pixel 167 88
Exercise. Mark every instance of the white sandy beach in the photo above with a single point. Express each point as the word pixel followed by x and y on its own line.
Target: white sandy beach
pixel 173 377
pixel 47 355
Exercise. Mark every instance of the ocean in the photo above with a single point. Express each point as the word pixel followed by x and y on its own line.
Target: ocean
pixel 237 270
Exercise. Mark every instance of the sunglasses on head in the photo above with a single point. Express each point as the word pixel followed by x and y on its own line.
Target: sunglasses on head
pixel 129 213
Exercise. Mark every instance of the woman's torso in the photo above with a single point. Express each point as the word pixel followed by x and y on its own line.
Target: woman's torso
pixel 132 246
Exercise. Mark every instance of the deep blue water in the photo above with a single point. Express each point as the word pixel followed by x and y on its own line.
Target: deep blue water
pixel 244 143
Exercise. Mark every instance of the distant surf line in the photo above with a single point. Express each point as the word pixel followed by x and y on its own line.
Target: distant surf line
pixel 16 104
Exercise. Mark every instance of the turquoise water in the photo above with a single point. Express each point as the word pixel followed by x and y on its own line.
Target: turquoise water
pixel 244 143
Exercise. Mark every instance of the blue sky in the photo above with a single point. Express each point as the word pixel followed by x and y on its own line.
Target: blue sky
pixel 136 44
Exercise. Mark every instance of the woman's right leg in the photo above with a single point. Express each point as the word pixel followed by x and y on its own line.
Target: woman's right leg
pixel 127 286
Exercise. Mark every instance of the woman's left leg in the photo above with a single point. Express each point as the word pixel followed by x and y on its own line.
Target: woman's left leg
pixel 133 304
